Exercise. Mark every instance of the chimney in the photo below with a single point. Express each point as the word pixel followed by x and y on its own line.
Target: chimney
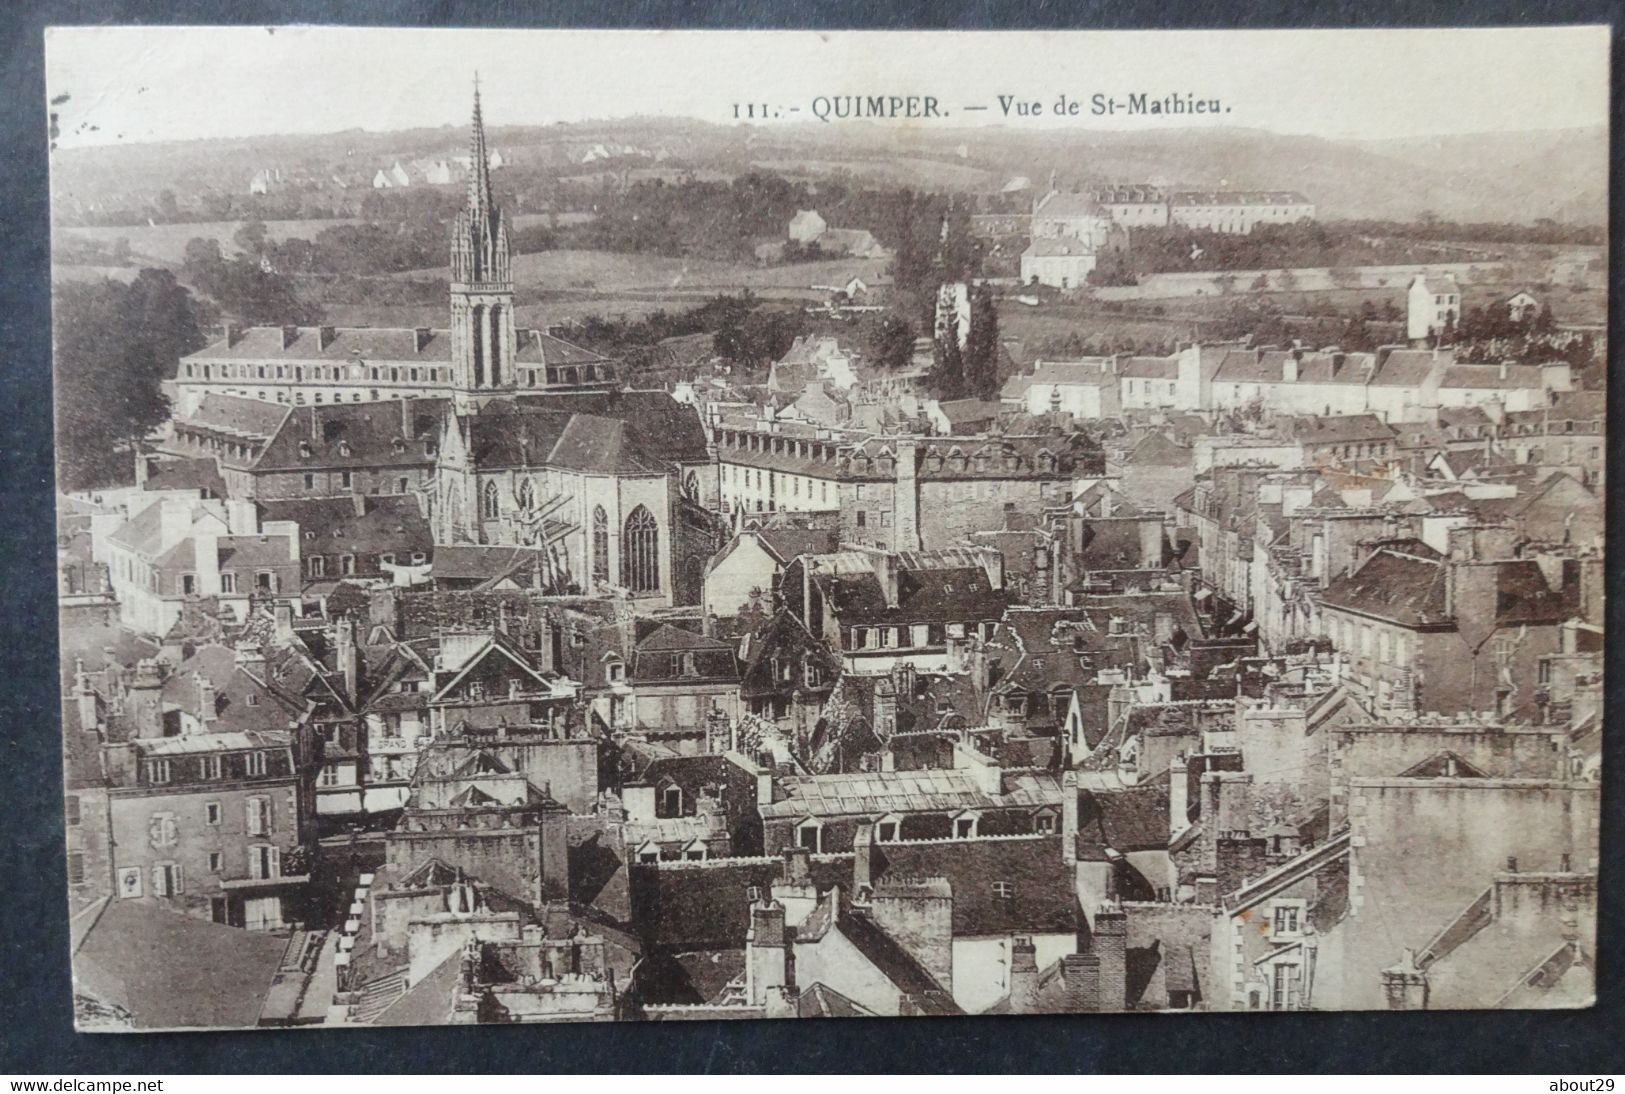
pixel 381 607
pixel 420 338
pixel 145 700
pixel 344 653
pixel 290 334
pixel 325 335
pixel 358 502
pixel 1023 973
pixel 234 334
pixel 284 620
pixel 1289 367
pixel 918 914
pixel 1080 981
pixel 85 695
pixel 767 952
pixel 206 708
pixel 555 872
pixel 1109 944
pixel 885 566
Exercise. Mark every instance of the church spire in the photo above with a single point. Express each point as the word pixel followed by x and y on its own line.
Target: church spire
pixel 479 246
pixel 483 337
pixel 479 161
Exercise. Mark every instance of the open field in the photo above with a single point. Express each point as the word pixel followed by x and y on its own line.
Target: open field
pixel 895 171
pixel 608 272
pixel 164 244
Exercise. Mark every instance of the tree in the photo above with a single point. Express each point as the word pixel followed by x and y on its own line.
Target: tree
pixel 251 237
pixel 890 341
pixel 947 368
pixel 114 345
pixel 981 357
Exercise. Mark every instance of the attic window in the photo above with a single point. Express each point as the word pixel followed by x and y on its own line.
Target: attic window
pixel 1004 890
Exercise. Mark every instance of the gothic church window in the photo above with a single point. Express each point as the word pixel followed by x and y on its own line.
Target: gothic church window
pixel 640 552
pixel 600 544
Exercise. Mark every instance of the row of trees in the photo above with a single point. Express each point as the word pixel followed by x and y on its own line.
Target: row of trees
pixel 974 369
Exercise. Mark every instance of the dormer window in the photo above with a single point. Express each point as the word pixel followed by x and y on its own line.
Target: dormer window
pixel 344 448
pixel 304 450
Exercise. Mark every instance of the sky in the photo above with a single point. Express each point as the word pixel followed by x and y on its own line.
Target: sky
pixel 128 84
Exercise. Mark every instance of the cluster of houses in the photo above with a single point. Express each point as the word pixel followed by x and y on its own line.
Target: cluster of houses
pixel 1241 679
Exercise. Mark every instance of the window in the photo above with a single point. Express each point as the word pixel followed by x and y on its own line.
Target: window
pixel 329 775
pixel 965 826
pixel 216 862
pixel 158 771
pixel 167 879
pixel 315 566
pixel 346 479
pixel 346 564
pixel 1286 918
pixel 265 582
pixel 76 868
pixel 671 800
pixel 490 504
pixel 600 545
pixel 72 803
pixel 258 814
pixel 1004 890
pixel 886 831
pixel 211 767
pixel 1044 823
pixel 640 552
pixel 810 834
pixel 228 583
pixel 189 584
pixel 264 862
pixel 310 482
pixel 1284 988
pixel 211 813
pixel 615 672
pixel 255 762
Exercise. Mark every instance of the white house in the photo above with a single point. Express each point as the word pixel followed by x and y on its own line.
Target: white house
pixel 1059 263
pixel 1521 305
pixel 806 226
pixel 1432 302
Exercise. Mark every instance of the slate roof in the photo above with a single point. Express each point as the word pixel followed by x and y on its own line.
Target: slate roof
pixel 1407 368
pixel 198 474
pixel 388 522
pixel 787 543
pixel 1491 377
pixel 172 971
pixel 246 418
pixel 660 426
pixel 875 793
pixel 1044 901
pixel 392 433
pixel 380 346
pixel 1150 368
pixel 1132 819
pixel 1059 205
pixel 1409 590
pixel 1058 248
pixel 941 587
pixel 1237 197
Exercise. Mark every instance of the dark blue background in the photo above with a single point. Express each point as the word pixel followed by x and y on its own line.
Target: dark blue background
pixel 36 1034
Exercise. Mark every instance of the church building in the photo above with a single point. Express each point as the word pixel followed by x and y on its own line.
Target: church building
pixel 607 486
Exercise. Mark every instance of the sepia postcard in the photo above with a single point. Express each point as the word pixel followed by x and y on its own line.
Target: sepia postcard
pixel 607 525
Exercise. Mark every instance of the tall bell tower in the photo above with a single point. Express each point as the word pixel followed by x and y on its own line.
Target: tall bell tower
pixel 482 330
